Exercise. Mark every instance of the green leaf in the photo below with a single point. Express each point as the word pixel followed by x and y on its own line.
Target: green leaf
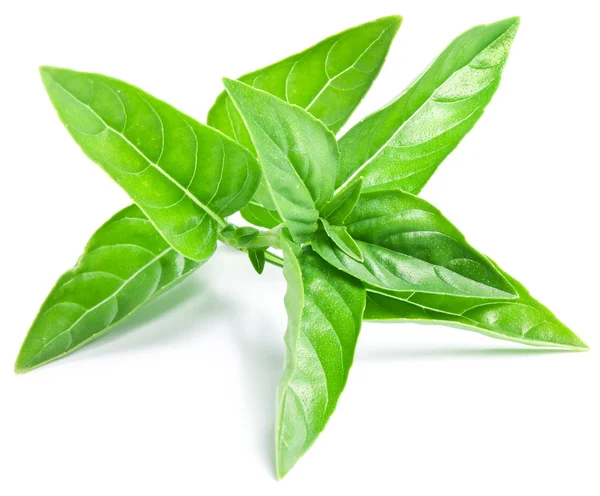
pixel 327 107
pixel 402 144
pixel 408 245
pixel 125 264
pixel 325 308
pixel 339 207
pixel 239 237
pixel 257 258
pixel 298 155
pixel 186 177
pixel 249 237
pixel 523 320
pixel 260 216
pixel 328 80
pixel 339 235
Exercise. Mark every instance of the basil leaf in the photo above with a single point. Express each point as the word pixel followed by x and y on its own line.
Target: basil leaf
pixel 298 155
pixel 257 258
pixel 408 245
pixel 340 206
pixel 183 175
pixel 276 76
pixel 328 80
pixel 402 144
pixel 339 235
pixel 239 237
pixel 325 308
pixel 259 216
pixel 522 320
pixel 274 79
pixel 125 264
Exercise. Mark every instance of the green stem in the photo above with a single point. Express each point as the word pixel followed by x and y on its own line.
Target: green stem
pixel 273 259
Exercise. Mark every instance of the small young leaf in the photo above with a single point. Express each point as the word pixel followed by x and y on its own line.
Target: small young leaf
pixel 257 258
pixel 125 264
pixel 339 235
pixel 402 144
pixel 185 176
pixel 339 207
pixel 328 80
pixel 239 237
pixel 408 245
pixel 325 308
pixel 260 216
pixel 297 153
pixel 523 320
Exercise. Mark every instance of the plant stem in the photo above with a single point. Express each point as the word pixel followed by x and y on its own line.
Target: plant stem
pixel 273 259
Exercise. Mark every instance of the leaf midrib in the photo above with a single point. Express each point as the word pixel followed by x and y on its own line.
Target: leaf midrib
pixel 329 79
pixel 356 173
pixel 112 295
pixel 186 191
pixel 338 253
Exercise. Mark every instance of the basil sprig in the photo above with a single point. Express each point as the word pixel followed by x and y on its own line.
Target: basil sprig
pixel 357 243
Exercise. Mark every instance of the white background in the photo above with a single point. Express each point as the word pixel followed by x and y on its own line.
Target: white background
pixel 180 399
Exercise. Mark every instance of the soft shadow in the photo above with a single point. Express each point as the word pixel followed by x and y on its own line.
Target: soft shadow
pixel 373 355
pixel 191 288
pixel 261 353
pixel 179 315
pixel 193 291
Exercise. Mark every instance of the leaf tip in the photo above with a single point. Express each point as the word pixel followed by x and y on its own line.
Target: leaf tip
pixel 230 83
pixel 234 89
pixel 394 21
pixel 510 23
pixel 580 346
pixel 282 465
pixel 21 367
pixel 46 73
pixel 49 71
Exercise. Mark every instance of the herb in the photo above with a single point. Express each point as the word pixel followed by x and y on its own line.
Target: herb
pixel 186 177
pixel 407 245
pixel 402 144
pixel 125 264
pixel 357 243
pixel 325 308
pixel 522 320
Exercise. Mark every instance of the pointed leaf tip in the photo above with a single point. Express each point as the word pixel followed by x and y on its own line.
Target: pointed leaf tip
pixel 393 20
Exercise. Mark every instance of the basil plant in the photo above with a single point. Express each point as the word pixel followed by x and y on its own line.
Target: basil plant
pixel 358 243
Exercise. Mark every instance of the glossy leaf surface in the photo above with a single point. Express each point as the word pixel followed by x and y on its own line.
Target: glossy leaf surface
pixel 325 308
pixel 125 264
pixel 407 243
pixel 402 144
pixel 523 320
pixel 328 80
pixel 185 176
pixel 298 155
pixel 275 77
